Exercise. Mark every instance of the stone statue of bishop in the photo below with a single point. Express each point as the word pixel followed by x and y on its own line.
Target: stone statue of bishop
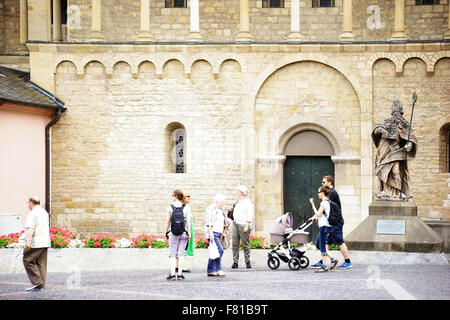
pixel 392 156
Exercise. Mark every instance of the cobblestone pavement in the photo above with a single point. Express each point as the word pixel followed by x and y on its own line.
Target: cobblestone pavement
pixel 375 282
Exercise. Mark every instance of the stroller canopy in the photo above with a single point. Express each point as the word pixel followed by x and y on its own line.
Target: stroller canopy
pixel 283 224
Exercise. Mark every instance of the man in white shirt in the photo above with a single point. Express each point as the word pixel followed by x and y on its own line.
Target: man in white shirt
pixel 242 226
pixel 37 237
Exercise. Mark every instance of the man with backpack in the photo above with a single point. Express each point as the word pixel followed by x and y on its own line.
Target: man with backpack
pixel 178 219
pixel 335 233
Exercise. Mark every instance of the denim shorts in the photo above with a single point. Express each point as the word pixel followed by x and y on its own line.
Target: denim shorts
pixel 321 240
pixel 335 235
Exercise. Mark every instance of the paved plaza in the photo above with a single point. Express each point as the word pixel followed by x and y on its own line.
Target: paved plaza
pixel 374 282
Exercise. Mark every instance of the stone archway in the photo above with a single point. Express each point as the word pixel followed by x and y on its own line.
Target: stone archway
pixel 298 97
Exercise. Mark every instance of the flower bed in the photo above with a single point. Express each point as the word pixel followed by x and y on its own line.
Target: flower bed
pixel 9 240
pixel 100 241
pixel 258 242
pixel 61 238
pixel 150 241
pixel 201 242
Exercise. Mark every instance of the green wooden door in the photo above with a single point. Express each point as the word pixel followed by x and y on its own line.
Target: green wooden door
pixel 301 179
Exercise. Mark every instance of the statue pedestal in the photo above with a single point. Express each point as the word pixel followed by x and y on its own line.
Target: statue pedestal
pixel 393 226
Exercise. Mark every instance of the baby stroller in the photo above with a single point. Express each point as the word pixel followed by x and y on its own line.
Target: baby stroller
pixel 282 233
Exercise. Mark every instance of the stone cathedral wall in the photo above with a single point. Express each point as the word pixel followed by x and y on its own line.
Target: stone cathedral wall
pixel 109 160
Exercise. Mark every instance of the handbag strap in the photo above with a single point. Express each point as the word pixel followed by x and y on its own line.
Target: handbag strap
pixel 225 224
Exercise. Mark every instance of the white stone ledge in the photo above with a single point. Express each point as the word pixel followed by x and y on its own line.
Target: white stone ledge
pixel 346 158
pixel 72 260
pixel 271 159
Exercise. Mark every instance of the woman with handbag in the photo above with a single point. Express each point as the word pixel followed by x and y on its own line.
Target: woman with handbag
pixel 215 222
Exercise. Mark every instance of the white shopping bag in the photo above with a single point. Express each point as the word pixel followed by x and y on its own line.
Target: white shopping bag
pixel 213 251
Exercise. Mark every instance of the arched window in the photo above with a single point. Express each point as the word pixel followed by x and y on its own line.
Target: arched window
pixel 175 148
pixel 444 148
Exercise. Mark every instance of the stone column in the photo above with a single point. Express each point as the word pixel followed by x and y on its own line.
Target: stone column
pixel 96 26
pixel 295 21
pixel 23 25
pixel 447 34
pixel 57 34
pixel 144 33
pixel 347 27
pixel 244 25
pixel 399 22
pixel 39 20
pixel 194 34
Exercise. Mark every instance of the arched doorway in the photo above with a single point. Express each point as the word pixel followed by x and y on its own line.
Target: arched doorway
pixel 312 93
pixel 308 158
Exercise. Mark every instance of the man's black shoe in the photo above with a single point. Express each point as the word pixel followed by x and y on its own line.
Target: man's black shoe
pixel 234 266
pixel 247 264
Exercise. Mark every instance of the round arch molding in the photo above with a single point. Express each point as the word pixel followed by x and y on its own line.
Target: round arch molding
pixel 308 143
pixel 348 159
pixel 256 85
pixel 297 126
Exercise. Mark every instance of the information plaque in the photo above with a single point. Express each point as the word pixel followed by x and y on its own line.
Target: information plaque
pixel 390 226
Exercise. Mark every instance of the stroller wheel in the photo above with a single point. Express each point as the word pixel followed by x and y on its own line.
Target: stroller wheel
pixel 294 264
pixel 273 262
pixel 304 262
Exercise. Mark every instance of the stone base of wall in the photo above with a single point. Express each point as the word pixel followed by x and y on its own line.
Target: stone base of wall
pixel 442 228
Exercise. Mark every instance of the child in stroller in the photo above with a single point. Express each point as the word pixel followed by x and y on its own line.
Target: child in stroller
pixel 283 234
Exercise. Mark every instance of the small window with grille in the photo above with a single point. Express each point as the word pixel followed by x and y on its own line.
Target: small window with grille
pixel 426 2
pixel 273 4
pixel 176 3
pixel 322 3
pixel 179 139
pixel 175 148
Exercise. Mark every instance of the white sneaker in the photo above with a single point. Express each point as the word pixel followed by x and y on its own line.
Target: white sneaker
pixel 33 288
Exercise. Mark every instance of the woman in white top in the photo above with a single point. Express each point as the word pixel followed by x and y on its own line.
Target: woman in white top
pixel 215 221
pixel 177 243
pixel 321 216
